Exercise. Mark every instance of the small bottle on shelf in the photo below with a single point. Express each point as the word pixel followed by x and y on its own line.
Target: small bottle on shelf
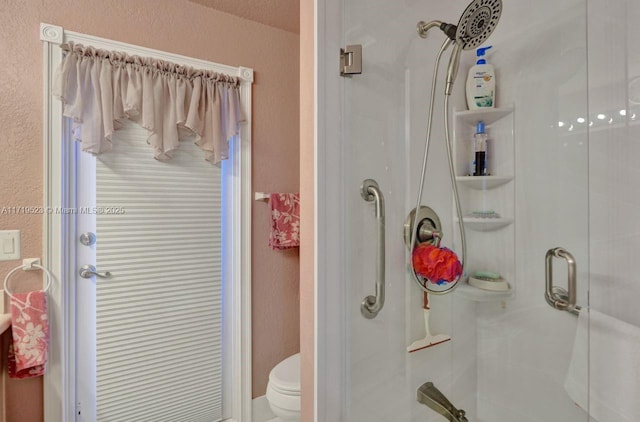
pixel 480 157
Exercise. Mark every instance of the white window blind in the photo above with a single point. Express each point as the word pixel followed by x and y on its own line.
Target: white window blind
pixel 159 318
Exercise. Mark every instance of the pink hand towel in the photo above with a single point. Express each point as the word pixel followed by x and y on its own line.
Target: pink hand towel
pixel 30 328
pixel 285 220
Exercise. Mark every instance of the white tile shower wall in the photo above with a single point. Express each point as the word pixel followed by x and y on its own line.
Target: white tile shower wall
pixel 614 72
pixel 524 349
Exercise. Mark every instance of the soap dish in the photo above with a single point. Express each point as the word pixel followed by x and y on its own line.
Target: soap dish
pixel 484 214
pixel 494 283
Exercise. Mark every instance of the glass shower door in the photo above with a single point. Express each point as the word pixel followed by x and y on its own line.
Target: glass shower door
pixel 505 354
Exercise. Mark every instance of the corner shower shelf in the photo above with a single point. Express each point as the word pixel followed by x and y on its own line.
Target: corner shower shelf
pixel 483 182
pixel 488 115
pixel 490 241
pixel 478 295
pixel 486 224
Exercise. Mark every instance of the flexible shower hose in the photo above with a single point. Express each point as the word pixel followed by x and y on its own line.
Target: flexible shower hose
pixel 452 175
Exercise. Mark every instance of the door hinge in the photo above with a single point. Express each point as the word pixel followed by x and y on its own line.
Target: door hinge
pixel 351 60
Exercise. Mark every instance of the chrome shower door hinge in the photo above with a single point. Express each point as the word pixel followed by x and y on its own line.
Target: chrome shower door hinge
pixel 351 60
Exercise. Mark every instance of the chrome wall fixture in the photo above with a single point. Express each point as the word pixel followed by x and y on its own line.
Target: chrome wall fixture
pixel 559 297
pixel 427 230
pixel 351 60
pixel 430 396
pixel 371 305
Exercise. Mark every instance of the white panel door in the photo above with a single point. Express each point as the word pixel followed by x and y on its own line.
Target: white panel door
pixel 150 336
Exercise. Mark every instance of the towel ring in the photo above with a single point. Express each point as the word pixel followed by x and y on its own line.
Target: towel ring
pixel 26 268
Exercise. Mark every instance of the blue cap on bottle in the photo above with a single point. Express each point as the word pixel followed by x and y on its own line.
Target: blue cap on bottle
pixel 480 52
pixel 480 127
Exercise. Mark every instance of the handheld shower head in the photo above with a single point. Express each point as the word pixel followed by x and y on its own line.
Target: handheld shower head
pixel 478 22
pixel 452 70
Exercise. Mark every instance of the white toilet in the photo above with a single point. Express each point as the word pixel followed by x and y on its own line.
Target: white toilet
pixel 283 389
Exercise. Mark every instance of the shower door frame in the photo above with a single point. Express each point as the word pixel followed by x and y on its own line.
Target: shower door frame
pixel 60 240
pixel 331 372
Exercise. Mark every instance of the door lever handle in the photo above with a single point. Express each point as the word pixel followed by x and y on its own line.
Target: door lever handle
pixel 88 271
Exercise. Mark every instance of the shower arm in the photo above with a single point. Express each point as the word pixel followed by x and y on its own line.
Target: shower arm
pixel 454 62
pixel 449 29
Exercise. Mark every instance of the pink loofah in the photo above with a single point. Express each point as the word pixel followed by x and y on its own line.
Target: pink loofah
pixel 439 265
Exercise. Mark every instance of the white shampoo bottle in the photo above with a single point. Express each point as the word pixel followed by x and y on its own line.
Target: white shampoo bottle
pixel 481 83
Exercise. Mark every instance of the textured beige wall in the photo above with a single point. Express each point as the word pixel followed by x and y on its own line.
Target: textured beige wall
pixel 307 191
pixel 177 26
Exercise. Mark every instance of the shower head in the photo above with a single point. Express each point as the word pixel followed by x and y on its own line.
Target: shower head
pixel 478 22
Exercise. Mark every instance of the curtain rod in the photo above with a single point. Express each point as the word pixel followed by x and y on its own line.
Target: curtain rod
pixel 58 35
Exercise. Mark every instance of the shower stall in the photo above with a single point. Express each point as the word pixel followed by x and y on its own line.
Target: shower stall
pixel 556 219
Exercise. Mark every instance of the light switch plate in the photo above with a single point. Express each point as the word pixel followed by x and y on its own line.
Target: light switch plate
pixel 9 245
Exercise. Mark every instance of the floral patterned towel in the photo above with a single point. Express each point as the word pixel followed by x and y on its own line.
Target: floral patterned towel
pixel 285 220
pixel 30 328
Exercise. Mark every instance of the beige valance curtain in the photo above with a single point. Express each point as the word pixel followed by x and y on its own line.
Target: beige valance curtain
pixel 100 88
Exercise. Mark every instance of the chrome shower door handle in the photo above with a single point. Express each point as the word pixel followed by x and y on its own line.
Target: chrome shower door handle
pixel 371 305
pixel 558 297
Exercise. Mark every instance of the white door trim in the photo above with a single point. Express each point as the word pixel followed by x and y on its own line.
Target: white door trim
pixel 59 237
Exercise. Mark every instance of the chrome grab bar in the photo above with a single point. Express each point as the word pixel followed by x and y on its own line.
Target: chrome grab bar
pixel 558 297
pixel 371 305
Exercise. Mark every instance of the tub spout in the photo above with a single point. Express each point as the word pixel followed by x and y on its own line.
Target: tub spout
pixel 430 396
